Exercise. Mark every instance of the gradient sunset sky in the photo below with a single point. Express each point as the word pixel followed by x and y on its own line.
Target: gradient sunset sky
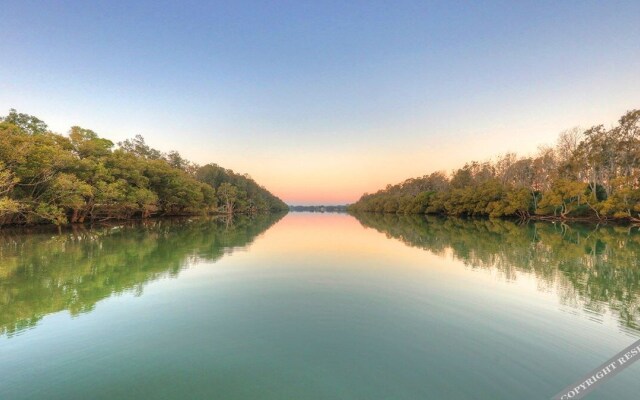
pixel 321 101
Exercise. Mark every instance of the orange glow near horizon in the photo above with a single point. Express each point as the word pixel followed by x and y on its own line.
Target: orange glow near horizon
pixel 341 175
pixel 339 172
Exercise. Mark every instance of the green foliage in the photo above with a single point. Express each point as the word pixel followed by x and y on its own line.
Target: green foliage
pixel 590 174
pixel 248 196
pixel 563 197
pixel 26 123
pixel 50 178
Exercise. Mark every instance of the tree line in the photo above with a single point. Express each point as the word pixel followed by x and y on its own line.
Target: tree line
pixel 591 174
pixel 46 177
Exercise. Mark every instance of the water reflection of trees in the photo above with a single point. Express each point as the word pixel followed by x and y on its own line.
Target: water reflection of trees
pixel 593 267
pixel 45 273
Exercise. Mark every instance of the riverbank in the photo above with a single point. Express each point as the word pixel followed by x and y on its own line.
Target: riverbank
pixel 113 222
pixel 543 218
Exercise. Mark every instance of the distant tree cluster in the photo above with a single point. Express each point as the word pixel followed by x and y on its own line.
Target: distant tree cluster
pixel 50 178
pixel 340 208
pixel 588 174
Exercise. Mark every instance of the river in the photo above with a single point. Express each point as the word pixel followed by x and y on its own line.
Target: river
pixel 317 306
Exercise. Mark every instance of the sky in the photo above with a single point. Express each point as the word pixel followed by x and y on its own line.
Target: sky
pixel 321 101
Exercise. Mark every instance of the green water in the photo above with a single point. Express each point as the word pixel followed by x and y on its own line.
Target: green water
pixel 317 306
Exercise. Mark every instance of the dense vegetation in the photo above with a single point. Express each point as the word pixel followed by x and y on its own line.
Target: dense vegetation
pixel 44 273
pixel 49 178
pixel 596 268
pixel 588 174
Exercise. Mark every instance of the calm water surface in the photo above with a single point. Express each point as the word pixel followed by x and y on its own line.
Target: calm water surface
pixel 317 306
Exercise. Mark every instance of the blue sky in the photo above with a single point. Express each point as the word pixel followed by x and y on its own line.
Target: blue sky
pixel 321 101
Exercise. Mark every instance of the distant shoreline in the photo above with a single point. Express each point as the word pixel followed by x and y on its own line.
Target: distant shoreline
pixel 320 208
